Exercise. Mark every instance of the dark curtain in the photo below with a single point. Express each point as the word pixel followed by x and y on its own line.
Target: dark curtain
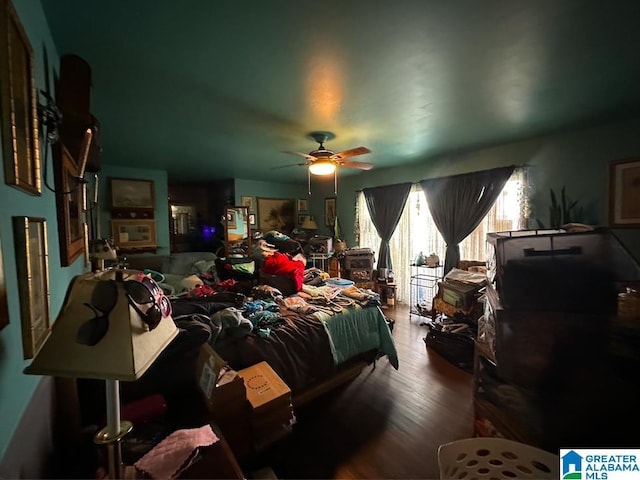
pixel 385 206
pixel 460 202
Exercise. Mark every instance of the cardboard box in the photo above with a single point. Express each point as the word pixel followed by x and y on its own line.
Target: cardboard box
pixel 227 402
pixel 360 275
pixel 460 295
pixel 219 392
pixel 358 258
pixel 265 389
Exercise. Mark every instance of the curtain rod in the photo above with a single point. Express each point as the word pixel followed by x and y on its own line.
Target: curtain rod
pixel 447 176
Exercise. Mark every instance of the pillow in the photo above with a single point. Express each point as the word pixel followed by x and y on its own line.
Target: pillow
pixel 203 266
pixel 174 282
pixel 191 282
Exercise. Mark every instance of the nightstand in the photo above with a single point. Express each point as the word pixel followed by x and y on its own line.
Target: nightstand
pixel 387 292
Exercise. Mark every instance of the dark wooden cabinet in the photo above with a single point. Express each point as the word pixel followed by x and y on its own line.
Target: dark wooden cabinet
pixel 195 211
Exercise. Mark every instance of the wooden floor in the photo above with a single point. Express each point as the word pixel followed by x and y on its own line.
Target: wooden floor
pixel 387 423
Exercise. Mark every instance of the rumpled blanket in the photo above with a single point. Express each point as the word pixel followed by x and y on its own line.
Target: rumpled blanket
pixel 176 452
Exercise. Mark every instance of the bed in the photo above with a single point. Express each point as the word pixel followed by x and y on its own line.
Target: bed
pixel 313 351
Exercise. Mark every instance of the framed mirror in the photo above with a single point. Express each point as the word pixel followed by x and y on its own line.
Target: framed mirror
pixel 237 232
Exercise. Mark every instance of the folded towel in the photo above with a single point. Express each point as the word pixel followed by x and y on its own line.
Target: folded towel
pixel 176 452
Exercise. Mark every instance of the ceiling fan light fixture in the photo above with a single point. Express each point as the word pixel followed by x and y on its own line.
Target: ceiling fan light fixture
pixel 322 167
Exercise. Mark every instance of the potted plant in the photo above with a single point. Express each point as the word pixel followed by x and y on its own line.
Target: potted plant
pixel 339 244
pixel 563 212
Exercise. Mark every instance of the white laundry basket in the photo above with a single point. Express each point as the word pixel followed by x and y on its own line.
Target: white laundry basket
pixel 488 457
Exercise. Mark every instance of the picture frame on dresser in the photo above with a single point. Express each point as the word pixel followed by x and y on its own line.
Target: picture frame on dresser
pixel 32 264
pixel 624 193
pixel 18 105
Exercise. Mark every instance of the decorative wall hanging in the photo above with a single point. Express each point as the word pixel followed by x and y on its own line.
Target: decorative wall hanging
pixel 70 204
pixel 247 202
pixel 32 262
pixel 19 105
pixel 329 211
pixel 276 214
pixel 131 198
pixel 134 234
pixel 624 193
pixel 4 303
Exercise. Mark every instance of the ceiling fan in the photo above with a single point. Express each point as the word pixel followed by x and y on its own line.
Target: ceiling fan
pixel 322 161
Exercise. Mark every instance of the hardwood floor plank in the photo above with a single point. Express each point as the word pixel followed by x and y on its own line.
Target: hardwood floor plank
pixel 386 423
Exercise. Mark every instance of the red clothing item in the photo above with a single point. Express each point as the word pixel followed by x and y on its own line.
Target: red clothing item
pixel 282 264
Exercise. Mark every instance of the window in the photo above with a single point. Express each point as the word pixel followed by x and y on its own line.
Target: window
pixel 417 233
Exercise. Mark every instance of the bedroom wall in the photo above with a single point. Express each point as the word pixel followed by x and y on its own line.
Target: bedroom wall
pixel 17 389
pixel 315 201
pixel 578 159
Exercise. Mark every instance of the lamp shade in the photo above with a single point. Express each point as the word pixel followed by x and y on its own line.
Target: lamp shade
pixel 322 167
pixel 101 331
pixel 309 223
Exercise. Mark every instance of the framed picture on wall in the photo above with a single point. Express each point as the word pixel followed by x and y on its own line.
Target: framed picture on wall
pixel 252 219
pixel 329 211
pixel 69 206
pixel 276 214
pixel 132 194
pixel 32 262
pixel 247 202
pixel 134 234
pixel 303 206
pixel 19 120
pixel 4 301
pixel 624 193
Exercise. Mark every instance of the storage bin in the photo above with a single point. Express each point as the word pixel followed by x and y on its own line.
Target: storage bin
pixel 460 295
pixel 560 271
pixel 358 259
pixel 537 349
pixel 495 458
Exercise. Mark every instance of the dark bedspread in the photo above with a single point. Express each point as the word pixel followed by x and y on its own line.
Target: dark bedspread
pixel 299 350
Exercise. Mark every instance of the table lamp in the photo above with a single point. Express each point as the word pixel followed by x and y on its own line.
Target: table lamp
pixel 309 223
pixel 112 326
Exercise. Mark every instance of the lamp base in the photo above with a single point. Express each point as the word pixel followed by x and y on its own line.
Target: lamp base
pixel 104 437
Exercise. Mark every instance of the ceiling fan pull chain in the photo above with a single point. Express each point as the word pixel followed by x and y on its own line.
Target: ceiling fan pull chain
pixel 335 181
pixel 309 181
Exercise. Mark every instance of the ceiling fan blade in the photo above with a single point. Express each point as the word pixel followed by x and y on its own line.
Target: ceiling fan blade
pixel 350 153
pixel 291 165
pixel 360 165
pixel 305 155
